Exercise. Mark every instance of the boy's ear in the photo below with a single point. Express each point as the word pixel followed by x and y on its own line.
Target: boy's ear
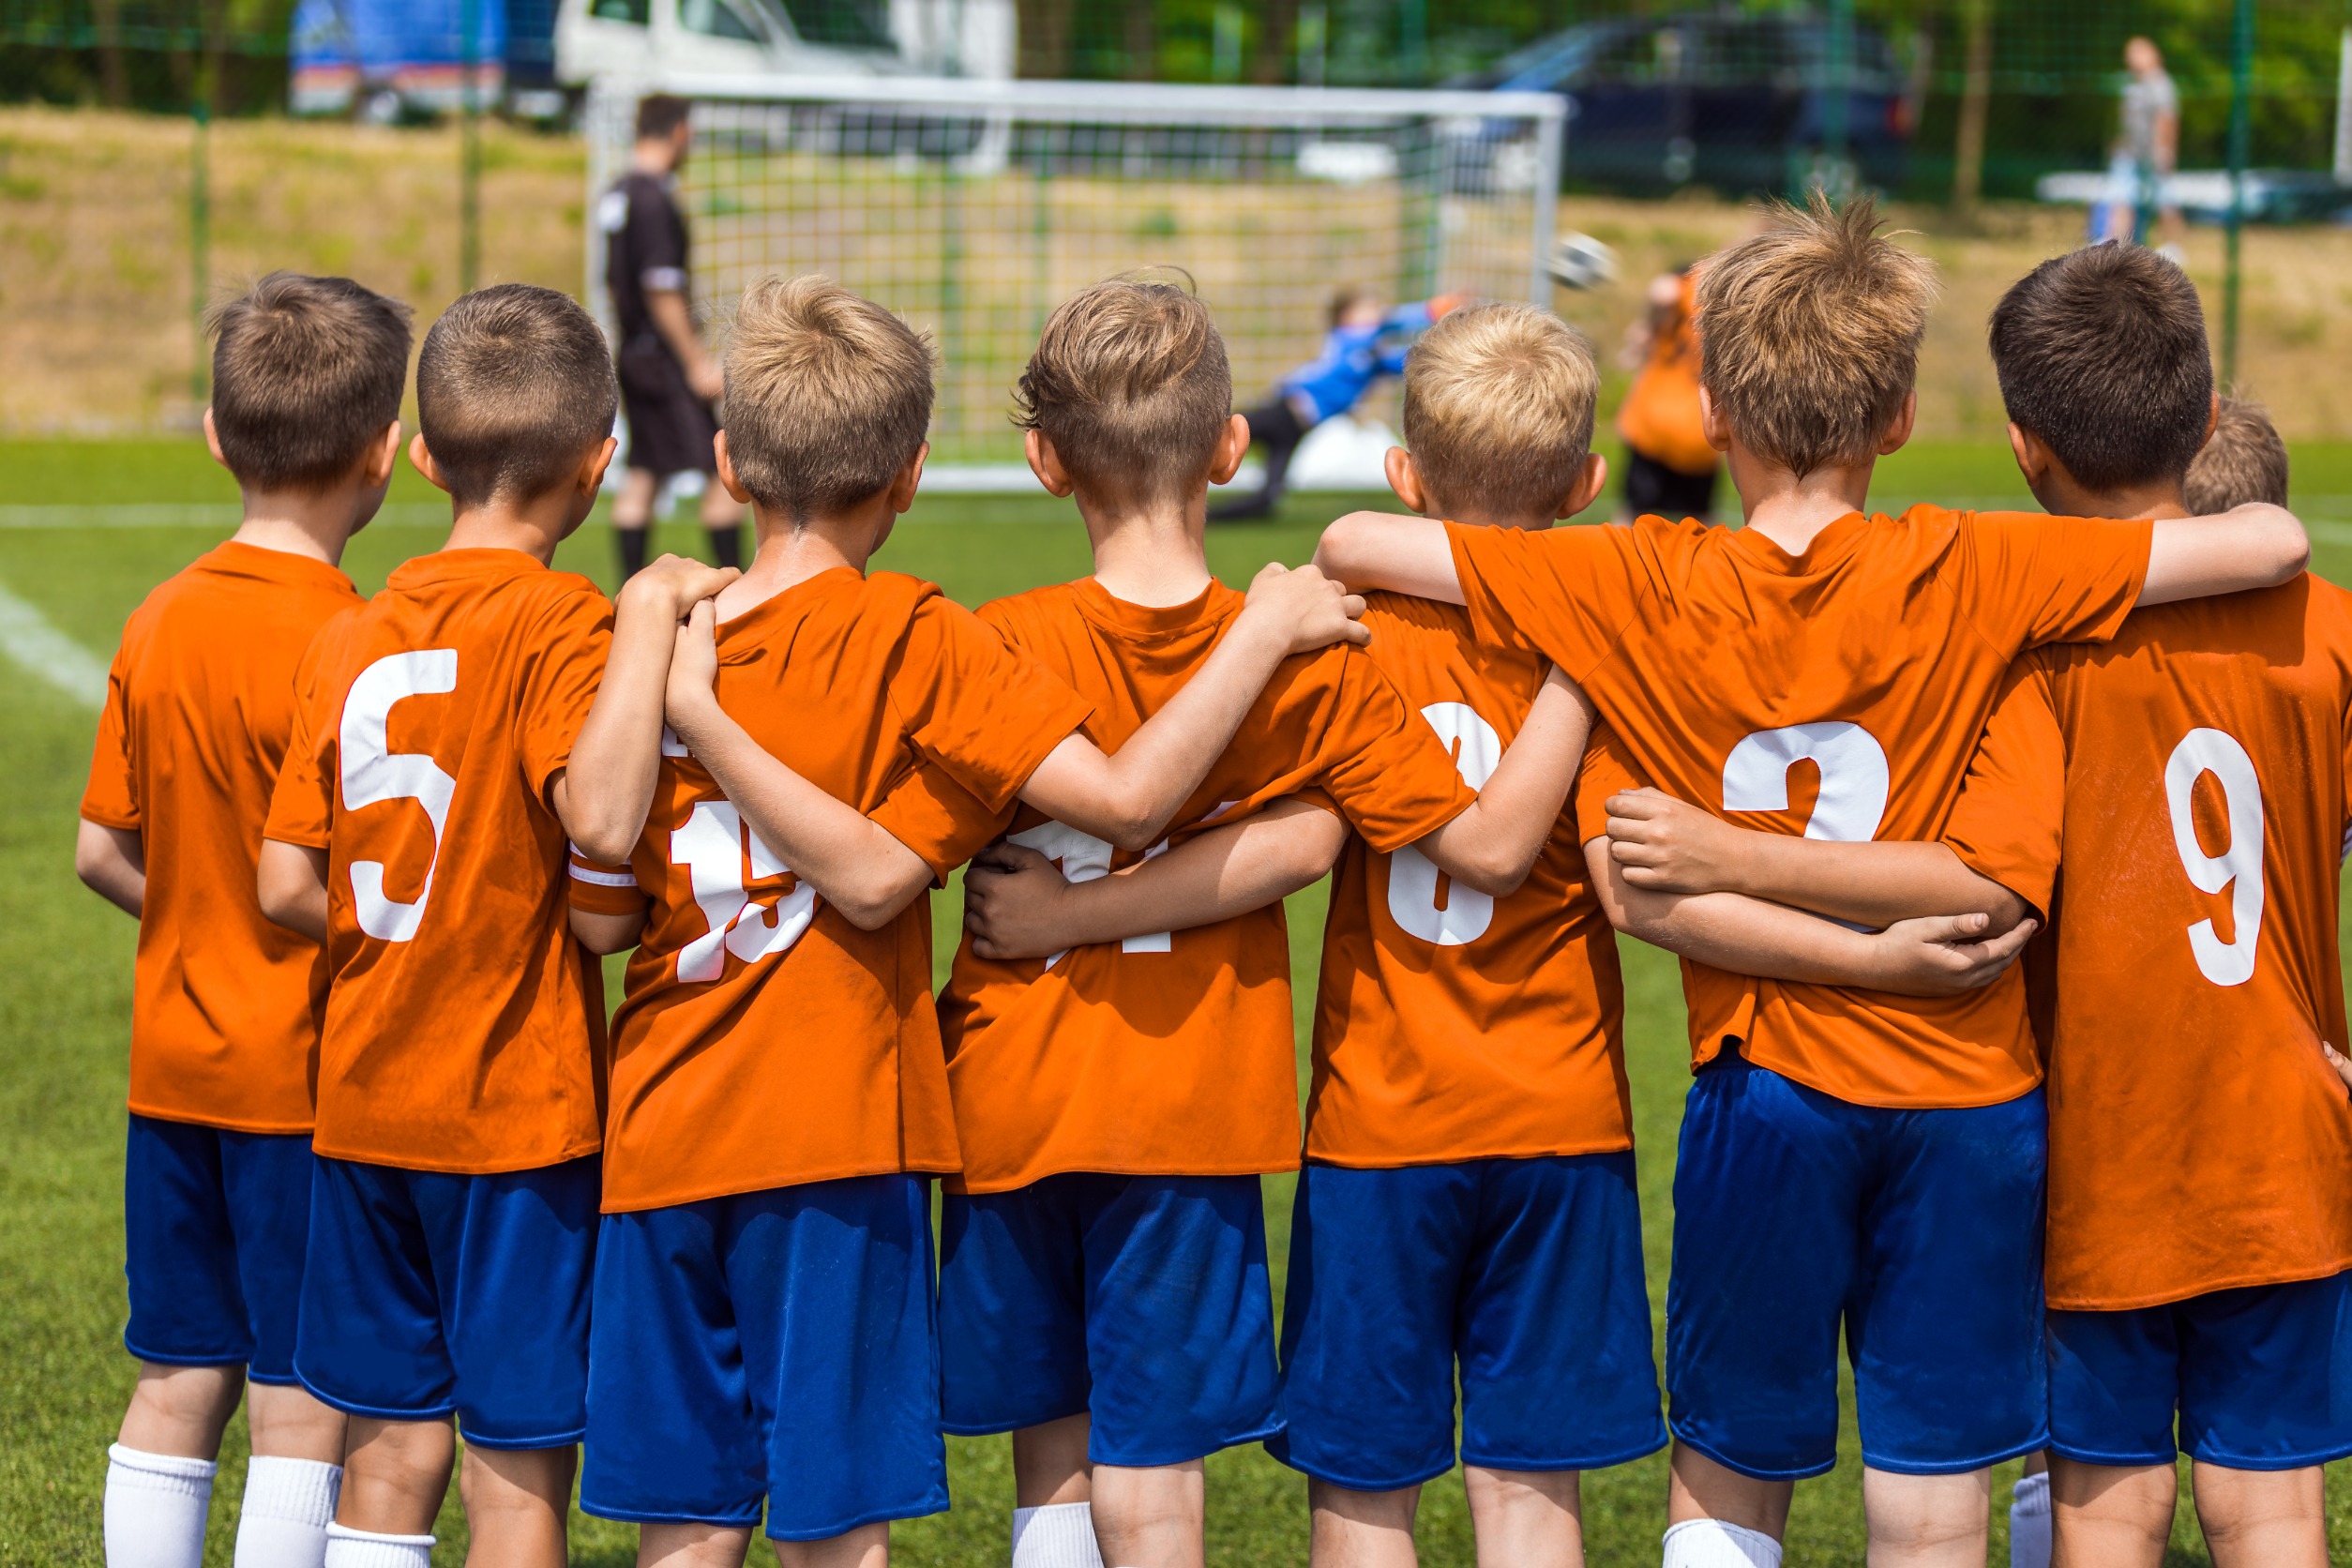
pixel 1404 478
pixel 1232 446
pixel 420 457
pixel 1898 429
pixel 212 438
pixel 1711 424
pixel 591 476
pixel 1045 463
pixel 375 471
pixel 2212 421
pixel 2034 460
pixel 725 467
pixel 1590 483
pixel 909 479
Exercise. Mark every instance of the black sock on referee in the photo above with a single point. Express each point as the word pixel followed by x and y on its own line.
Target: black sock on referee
pixel 726 544
pixel 632 543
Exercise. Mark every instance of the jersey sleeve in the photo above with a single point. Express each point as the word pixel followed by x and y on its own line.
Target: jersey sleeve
pixel 1384 765
pixel 302 807
pixel 1566 593
pixel 984 713
pixel 112 797
pixel 653 241
pixel 1606 770
pixel 939 819
pixel 2011 808
pixel 602 889
pixel 2039 580
pixel 560 687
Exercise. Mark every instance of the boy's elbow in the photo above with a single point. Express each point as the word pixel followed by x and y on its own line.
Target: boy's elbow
pixel 2292 547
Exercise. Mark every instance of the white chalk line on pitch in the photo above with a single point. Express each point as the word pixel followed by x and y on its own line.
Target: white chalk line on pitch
pixel 28 639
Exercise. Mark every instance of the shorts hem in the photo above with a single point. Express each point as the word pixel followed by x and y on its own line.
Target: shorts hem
pixel 1354 1484
pixel 475 1440
pixel 163 1358
pixel 1753 1473
pixel 667 1516
pixel 2118 1462
pixel 2317 1456
pixel 1186 1454
pixel 998 1428
pixel 1607 1461
pixel 271 1379
pixel 1958 1467
pixel 375 1413
pixel 936 1502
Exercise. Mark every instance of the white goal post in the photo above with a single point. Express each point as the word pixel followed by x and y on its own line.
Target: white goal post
pixel 972 208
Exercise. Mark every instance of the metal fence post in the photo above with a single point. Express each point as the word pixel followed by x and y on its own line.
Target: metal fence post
pixel 2242 42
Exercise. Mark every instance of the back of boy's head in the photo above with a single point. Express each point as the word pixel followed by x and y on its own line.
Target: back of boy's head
pixel 2102 355
pixel 2244 460
pixel 1499 410
pixel 828 397
pixel 514 390
pixel 1809 334
pixel 1130 384
pixel 306 374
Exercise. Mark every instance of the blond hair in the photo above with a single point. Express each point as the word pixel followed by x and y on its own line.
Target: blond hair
pixel 2244 460
pixel 514 389
pixel 828 396
pixel 1130 384
pixel 1809 334
pixel 1498 409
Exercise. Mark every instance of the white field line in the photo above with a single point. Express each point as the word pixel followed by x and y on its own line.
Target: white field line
pixel 28 639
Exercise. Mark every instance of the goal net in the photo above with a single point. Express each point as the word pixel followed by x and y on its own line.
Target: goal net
pixel 973 208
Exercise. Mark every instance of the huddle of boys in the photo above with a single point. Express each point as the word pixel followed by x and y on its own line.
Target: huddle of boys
pixel 1109 1072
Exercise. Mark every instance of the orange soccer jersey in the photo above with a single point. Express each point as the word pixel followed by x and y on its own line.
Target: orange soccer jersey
pixel 765 1041
pixel 1451 1025
pixel 2198 1139
pixel 1172 1054
pixel 464 1028
pixel 199 707
pixel 1838 694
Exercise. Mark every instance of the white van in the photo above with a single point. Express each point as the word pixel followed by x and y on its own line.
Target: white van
pixel 753 37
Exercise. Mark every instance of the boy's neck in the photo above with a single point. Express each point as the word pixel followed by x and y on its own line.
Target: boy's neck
pixel 789 553
pixel 316 526
pixel 1153 553
pixel 1473 518
pixel 2061 497
pixel 1789 510
pixel 533 526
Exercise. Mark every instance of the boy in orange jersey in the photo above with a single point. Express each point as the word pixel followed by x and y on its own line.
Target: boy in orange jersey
pixel 2186 782
pixel 444 744
pixel 306 376
pixel 1469 1194
pixel 763 1328
pixel 1829 1129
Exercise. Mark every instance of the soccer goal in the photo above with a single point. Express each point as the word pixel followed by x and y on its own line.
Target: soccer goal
pixel 973 208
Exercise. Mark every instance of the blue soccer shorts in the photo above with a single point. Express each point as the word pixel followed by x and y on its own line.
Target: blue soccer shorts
pixel 428 1295
pixel 1139 1301
pixel 214 1224
pixel 2259 1379
pixel 1918 1232
pixel 774 1347
pixel 1527 1274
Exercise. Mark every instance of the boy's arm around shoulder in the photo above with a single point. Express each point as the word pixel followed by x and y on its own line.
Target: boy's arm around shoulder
pixel 1494 844
pixel 2254 545
pixel 1371 550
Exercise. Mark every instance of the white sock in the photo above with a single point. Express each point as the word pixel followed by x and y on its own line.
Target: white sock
pixel 288 1505
pixel 1057 1535
pixel 359 1548
pixel 2029 1522
pixel 155 1509
pixel 1712 1544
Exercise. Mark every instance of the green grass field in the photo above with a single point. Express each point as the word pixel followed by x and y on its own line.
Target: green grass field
pixel 65 1008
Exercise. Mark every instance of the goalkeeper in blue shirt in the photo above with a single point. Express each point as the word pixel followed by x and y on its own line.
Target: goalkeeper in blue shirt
pixel 1366 342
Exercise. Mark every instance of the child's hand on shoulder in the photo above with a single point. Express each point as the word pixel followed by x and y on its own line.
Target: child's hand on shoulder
pixel 1670 846
pixel 1011 893
pixel 1304 608
pixel 693 671
pixel 675 584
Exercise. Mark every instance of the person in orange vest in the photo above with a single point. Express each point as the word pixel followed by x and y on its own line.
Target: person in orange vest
pixel 1670 468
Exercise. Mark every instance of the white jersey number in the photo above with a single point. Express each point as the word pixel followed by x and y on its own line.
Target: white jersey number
pixel 1852 800
pixel 374 773
pixel 1082 858
pixel 2238 867
pixel 1412 877
pixel 712 845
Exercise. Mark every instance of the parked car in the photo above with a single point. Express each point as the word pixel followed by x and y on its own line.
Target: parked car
pixel 389 60
pixel 1739 102
pixel 758 38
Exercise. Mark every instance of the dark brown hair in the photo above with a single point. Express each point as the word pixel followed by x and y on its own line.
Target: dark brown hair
pixel 2243 460
pixel 658 114
pixel 1808 335
pixel 306 374
pixel 2101 355
pixel 514 389
pixel 828 396
pixel 1130 384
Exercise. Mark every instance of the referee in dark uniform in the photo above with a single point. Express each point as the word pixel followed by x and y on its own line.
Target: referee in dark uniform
pixel 669 380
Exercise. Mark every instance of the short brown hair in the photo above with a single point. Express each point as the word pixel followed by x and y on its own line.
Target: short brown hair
pixel 828 396
pixel 2101 355
pixel 306 374
pixel 1809 334
pixel 1498 409
pixel 513 390
pixel 658 114
pixel 2243 460
pixel 1130 384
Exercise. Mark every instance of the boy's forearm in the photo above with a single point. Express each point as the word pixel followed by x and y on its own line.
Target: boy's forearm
pixel 1748 936
pixel 2254 546
pixel 1214 877
pixel 1402 554
pixel 1873 884
pixel 1495 844
pixel 113 862
pixel 289 883
pixel 602 933
pixel 608 786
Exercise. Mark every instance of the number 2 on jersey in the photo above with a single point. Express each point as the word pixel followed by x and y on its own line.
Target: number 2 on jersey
pixel 2238 867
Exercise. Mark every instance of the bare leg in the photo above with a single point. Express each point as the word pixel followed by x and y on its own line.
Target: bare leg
pixel 1525 1519
pixel 395 1474
pixel 684 1545
pixel 289 1422
pixel 1927 1521
pixel 181 1410
pixel 1155 1517
pixel 2262 1518
pixel 1049 1463
pixel 2109 1515
pixel 518 1504
pixel 866 1546
pixel 1699 1489
pixel 1360 1530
